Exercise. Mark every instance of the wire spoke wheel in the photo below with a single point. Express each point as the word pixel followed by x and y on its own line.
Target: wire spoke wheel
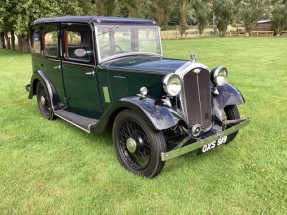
pixel 134 145
pixel 44 102
pixel 137 146
pixel 230 113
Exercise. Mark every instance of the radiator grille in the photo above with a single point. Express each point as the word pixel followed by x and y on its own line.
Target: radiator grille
pixel 196 89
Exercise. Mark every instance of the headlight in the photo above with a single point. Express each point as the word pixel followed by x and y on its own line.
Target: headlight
pixel 219 75
pixel 172 84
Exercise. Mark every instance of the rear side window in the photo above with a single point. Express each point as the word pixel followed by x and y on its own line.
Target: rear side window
pixel 78 43
pixel 50 41
pixel 36 41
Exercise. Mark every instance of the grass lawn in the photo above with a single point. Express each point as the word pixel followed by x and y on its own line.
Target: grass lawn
pixel 52 167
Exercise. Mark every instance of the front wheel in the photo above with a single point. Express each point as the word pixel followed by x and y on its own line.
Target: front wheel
pixel 137 146
pixel 231 113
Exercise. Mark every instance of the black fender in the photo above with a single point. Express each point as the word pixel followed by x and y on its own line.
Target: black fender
pixel 39 75
pixel 227 95
pixel 158 116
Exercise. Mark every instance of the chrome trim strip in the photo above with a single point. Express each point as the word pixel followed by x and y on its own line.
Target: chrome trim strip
pixel 200 107
pixel 88 131
pixel 181 71
pixel 185 68
pixel 183 150
pixel 78 64
pixel 129 54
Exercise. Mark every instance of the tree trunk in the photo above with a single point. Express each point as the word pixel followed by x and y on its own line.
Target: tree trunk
pixel 26 44
pixel 13 40
pixel 2 40
pixel 23 43
pixel 7 38
pixel 20 43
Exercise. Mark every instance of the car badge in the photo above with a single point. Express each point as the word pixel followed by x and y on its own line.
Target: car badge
pixel 196 71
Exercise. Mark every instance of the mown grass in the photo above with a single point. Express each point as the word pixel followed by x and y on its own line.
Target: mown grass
pixel 51 167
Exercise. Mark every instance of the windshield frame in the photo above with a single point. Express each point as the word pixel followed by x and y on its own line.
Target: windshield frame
pixel 100 60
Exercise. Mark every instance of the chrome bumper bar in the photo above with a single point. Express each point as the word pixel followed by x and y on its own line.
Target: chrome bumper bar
pixel 183 150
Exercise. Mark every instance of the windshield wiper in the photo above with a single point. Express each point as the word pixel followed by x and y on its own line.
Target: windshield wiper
pixel 111 29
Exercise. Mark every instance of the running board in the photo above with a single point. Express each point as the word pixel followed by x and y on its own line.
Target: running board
pixel 81 122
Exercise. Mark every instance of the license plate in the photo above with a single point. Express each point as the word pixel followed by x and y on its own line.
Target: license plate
pixel 209 146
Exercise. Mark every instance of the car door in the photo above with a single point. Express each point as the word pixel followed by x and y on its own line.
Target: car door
pixel 79 74
pixel 47 56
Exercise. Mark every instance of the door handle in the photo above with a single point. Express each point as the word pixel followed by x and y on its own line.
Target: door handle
pixel 90 73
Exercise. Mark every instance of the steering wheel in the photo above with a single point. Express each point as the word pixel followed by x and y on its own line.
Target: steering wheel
pixel 109 45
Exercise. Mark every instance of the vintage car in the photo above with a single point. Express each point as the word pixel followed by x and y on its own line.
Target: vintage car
pixel 96 72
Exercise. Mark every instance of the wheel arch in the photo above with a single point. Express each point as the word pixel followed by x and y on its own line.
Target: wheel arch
pixel 37 76
pixel 228 95
pixel 156 116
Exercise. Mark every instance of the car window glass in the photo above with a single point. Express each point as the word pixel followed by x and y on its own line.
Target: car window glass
pixel 50 41
pixel 125 39
pixel 36 44
pixel 78 37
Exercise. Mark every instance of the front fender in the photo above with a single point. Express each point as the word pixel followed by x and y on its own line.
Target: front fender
pixel 158 116
pixel 228 95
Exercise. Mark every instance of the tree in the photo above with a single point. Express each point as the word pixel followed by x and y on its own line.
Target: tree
pixel 184 6
pixel 7 10
pixel 19 14
pixel 279 18
pixel 162 10
pixel 135 8
pixel 223 11
pixel 201 14
pixel 251 11
pixel 105 7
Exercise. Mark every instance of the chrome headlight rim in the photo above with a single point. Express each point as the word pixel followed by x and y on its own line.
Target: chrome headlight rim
pixel 172 84
pixel 219 75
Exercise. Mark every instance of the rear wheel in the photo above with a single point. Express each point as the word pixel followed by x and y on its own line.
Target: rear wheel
pixel 44 102
pixel 230 113
pixel 137 146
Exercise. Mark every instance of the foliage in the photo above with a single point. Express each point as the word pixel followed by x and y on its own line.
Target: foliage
pixel 223 11
pixel 162 10
pixel 19 14
pixel 105 7
pixel 251 11
pixel 136 8
pixel 52 167
pixel 184 6
pixel 279 18
pixel 201 14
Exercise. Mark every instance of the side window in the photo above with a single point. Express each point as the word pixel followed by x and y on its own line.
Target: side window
pixel 35 41
pixel 50 41
pixel 78 43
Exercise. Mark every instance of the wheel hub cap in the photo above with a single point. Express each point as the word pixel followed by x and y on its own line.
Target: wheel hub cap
pixel 43 100
pixel 131 145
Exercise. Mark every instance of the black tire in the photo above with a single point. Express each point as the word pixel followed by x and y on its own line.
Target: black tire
pixel 137 146
pixel 44 102
pixel 230 113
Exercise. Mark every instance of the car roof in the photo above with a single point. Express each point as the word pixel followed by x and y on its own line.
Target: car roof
pixel 97 20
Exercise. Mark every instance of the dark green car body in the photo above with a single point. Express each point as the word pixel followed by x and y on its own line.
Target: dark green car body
pixel 99 71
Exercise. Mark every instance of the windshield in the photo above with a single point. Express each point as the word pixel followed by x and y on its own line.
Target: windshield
pixel 115 40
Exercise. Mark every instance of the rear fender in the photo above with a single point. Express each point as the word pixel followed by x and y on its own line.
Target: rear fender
pixel 39 75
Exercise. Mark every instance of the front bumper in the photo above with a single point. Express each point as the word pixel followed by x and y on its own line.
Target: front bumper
pixel 193 146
